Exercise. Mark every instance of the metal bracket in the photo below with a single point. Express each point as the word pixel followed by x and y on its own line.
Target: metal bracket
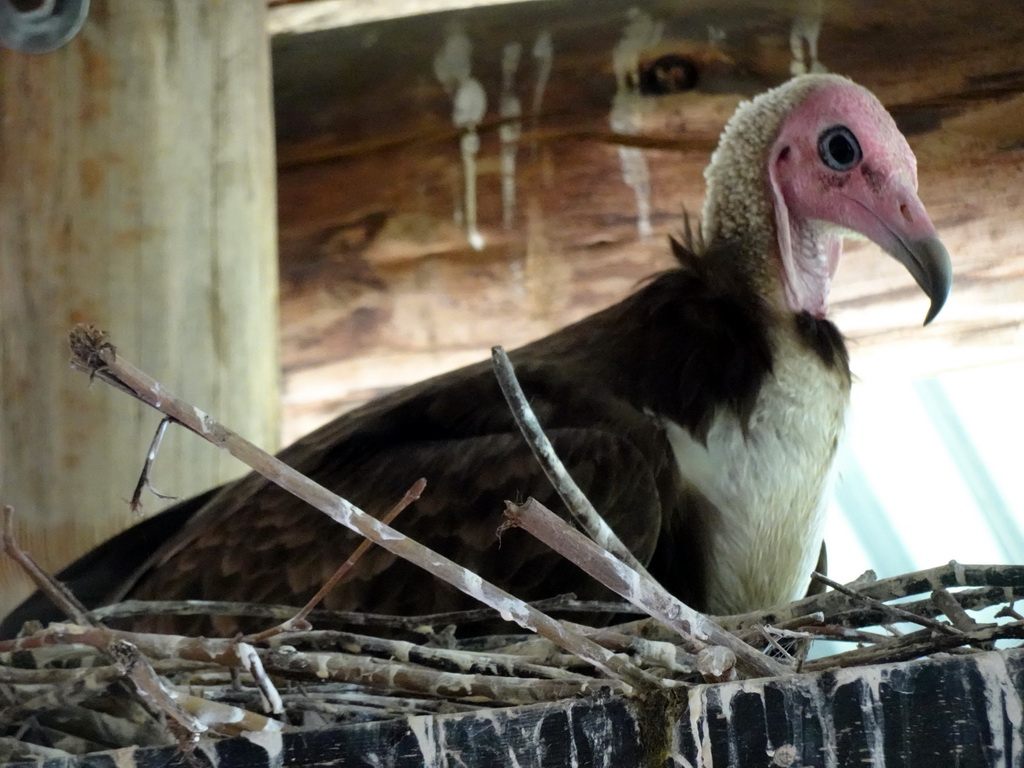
pixel 40 26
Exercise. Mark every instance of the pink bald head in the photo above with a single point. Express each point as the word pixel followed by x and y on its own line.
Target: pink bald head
pixel 839 164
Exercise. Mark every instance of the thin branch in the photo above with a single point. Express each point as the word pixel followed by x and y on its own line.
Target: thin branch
pixel 575 500
pixel 639 589
pixel 58 594
pixel 147 466
pixel 775 644
pixel 93 353
pixel 299 620
pixel 915 645
pixel 1009 612
pixel 899 614
pixel 1009 579
pixel 845 634
pixel 952 610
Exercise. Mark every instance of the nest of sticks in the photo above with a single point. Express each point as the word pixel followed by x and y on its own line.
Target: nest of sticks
pixel 80 687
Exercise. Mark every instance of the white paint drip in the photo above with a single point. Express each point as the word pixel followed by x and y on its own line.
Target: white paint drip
pixel 675 750
pixel 662 653
pixel 1005 713
pixel 959 572
pixel 272 742
pixel 1004 707
pixel 423 728
pixel 499 728
pixel 629 577
pixel 470 105
pixel 823 710
pixel 725 697
pixel 784 756
pixel 341 511
pixel 574 756
pixel 641 32
pixel 869 680
pixel 209 749
pixel 125 758
pixel 452 66
pixel 452 63
pixel 544 53
pixel 451 757
pixel 698 702
pixel 322 661
pixel 806 29
pixel 510 109
pixel 390 534
pixel 204 420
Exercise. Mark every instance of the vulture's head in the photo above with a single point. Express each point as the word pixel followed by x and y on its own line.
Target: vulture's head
pixel 806 163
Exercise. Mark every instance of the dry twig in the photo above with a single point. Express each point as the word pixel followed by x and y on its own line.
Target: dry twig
pixel 917 644
pixel 299 620
pixel 58 594
pixel 1005 580
pixel 154 447
pixel 93 354
pixel 894 612
pixel 575 500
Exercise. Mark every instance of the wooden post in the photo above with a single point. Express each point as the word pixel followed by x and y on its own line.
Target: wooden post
pixel 137 193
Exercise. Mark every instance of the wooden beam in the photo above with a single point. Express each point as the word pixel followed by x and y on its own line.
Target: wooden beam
pixel 302 16
pixel 137 180
pixel 378 270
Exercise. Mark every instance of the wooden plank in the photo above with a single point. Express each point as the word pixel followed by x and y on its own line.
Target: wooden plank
pixel 967 711
pixel 137 180
pixel 376 269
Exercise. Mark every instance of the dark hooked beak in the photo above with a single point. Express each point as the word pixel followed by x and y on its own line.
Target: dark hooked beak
pixel 927 260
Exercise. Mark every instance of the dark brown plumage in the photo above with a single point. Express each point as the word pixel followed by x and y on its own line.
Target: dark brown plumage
pixel 455 431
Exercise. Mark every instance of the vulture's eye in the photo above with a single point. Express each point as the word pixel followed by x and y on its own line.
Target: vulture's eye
pixel 838 148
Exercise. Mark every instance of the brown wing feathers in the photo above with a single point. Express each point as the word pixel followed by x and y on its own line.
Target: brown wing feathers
pixel 690 342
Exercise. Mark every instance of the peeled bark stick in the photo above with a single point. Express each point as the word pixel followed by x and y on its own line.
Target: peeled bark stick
pixel 136 667
pixel 92 353
pixel 223 718
pixel 637 588
pixel 575 500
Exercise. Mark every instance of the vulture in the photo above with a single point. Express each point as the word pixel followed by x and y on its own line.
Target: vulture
pixel 701 415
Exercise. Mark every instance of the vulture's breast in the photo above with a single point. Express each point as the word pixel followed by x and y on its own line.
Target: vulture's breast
pixel 766 487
